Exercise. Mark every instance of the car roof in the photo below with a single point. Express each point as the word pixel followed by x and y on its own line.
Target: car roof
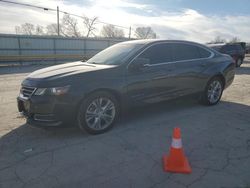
pixel 223 44
pixel 151 41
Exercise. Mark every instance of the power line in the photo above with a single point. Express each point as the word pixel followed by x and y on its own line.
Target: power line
pixel 96 21
pixel 24 4
pixel 51 9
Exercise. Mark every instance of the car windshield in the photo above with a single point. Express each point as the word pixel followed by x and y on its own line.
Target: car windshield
pixel 116 54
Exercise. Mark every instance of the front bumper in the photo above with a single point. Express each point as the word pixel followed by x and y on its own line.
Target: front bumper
pixel 47 110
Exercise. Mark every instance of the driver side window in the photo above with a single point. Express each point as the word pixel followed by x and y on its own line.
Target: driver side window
pixel 158 53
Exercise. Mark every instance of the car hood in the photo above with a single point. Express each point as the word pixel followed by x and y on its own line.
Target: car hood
pixel 64 70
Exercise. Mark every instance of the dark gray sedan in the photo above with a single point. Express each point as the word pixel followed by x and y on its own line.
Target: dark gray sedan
pixel 92 93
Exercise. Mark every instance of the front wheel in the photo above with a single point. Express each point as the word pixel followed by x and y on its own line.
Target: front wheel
pixel 213 91
pixel 98 113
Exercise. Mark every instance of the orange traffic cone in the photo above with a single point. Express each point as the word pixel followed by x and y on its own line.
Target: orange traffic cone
pixel 176 161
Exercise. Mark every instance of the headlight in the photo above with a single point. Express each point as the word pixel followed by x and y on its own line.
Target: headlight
pixel 59 90
pixel 52 91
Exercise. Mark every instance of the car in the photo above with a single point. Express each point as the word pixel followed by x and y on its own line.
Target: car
pixel 247 48
pixel 235 50
pixel 92 94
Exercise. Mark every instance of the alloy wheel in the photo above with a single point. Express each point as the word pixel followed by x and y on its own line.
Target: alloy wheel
pixel 239 62
pixel 100 113
pixel 214 91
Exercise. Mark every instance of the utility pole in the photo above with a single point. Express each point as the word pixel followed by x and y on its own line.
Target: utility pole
pixel 58 24
pixel 129 35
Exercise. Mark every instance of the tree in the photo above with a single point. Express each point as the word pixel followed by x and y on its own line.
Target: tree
pixel 90 25
pixel 111 32
pixel 18 30
pixel 218 39
pixel 235 39
pixel 26 29
pixel 69 27
pixel 52 29
pixel 29 29
pixel 39 30
pixel 145 33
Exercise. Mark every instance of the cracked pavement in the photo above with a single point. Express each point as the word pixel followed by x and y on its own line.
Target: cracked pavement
pixel 216 141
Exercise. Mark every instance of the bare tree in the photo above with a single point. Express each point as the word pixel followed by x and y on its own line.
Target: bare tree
pixel 90 25
pixel 26 29
pixel 40 30
pixel 69 27
pixel 235 39
pixel 51 29
pixel 218 39
pixel 145 33
pixel 111 32
pixel 18 30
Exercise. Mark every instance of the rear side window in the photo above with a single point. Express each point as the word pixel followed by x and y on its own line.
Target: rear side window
pixel 204 53
pixel 185 52
pixel 159 53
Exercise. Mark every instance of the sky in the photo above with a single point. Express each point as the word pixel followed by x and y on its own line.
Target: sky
pixel 195 20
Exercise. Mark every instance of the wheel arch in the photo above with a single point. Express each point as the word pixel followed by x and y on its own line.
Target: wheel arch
pixel 219 75
pixel 114 93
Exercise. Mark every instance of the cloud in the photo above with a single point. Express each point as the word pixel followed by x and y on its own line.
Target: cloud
pixel 118 4
pixel 186 24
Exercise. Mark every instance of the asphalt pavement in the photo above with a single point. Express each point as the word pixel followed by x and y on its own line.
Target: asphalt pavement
pixel 216 141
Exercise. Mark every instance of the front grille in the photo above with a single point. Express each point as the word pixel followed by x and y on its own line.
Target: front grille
pixel 27 91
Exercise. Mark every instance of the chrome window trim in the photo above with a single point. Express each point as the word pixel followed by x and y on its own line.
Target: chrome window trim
pixel 172 62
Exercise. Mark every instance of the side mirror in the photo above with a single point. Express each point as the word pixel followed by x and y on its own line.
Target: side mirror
pixel 139 63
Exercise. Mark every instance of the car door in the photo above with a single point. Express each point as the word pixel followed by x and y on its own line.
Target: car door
pixel 154 81
pixel 191 60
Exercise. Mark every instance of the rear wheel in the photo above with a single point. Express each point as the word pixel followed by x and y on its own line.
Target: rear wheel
pixel 213 91
pixel 98 113
pixel 239 62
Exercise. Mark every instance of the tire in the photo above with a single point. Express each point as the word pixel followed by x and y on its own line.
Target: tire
pixel 211 94
pixel 98 113
pixel 239 62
